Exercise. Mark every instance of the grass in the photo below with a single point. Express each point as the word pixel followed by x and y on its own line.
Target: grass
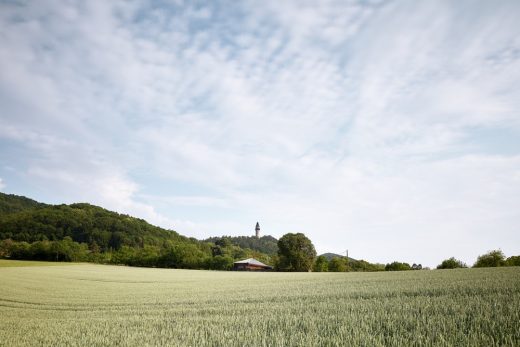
pixel 96 305
pixel 23 263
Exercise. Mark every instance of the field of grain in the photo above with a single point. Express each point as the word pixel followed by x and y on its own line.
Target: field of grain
pixel 24 263
pixel 96 305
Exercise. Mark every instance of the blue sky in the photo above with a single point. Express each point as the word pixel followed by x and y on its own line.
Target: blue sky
pixel 389 128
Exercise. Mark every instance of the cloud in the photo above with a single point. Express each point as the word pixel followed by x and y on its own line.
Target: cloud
pixel 351 122
pixel 2 184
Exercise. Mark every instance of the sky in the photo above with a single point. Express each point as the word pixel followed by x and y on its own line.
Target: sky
pixel 388 128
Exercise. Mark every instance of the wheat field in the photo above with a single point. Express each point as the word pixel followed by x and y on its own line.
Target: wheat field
pixel 98 305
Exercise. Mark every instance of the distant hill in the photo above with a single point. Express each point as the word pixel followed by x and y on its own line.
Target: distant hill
pixel 352 264
pixel 329 256
pixel 265 244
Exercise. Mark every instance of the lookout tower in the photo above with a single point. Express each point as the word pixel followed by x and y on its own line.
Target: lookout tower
pixel 257 230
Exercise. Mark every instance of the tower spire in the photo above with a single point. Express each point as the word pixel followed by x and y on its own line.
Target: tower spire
pixel 257 230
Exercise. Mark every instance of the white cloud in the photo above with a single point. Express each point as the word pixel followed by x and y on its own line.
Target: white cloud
pixel 349 122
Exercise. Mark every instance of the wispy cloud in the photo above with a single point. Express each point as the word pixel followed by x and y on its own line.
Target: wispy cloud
pixel 358 123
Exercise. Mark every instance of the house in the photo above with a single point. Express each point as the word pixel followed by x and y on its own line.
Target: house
pixel 250 264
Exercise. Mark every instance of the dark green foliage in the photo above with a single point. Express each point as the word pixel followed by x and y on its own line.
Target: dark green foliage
pixel 491 259
pixel 513 260
pixel 451 263
pixel 337 264
pixel 63 250
pixel 265 244
pixel 83 223
pixel 221 262
pixel 364 266
pixel 296 253
pixel 397 266
pixel 10 203
pixel 350 264
pixel 321 264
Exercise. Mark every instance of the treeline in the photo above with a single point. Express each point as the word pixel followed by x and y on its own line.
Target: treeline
pixel 170 254
pixel 342 264
pixel 495 258
pixel 83 232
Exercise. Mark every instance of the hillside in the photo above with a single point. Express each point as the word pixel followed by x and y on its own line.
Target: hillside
pixel 265 244
pixel 329 256
pixel 23 219
pixel 10 203
pixel 84 232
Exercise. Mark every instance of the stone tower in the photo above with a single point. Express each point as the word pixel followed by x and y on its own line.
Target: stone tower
pixel 257 230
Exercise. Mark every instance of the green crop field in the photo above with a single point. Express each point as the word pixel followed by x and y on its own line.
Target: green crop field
pixel 20 263
pixel 96 305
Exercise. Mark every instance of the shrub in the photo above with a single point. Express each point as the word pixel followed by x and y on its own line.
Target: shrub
pixel 397 266
pixel 491 259
pixel 451 263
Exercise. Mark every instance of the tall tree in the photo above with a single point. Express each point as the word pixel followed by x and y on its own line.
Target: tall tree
pixel 296 253
pixel 491 259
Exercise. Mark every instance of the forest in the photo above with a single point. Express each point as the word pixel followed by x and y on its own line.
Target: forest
pixel 84 232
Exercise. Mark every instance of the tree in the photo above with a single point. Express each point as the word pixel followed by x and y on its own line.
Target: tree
pixel 296 253
pixel 337 264
pixel 491 259
pixel 397 266
pixel 321 264
pixel 513 260
pixel 451 263
pixel 6 247
pixel 221 262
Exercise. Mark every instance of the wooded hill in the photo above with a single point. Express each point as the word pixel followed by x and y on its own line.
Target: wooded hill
pixel 10 203
pixel 265 244
pixel 23 219
pixel 84 232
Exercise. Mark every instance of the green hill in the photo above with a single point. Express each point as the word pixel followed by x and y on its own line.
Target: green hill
pixel 84 232
pixel 265 244
pixel 329 256
pixel 10 203
pixel 23 219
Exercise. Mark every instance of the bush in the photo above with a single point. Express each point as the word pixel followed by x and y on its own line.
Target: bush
pixel 513 260
pixel 397 266
pixel 491 259
pixel 451 263
pixel 337 265
pixel 321 264
pixel 221 262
